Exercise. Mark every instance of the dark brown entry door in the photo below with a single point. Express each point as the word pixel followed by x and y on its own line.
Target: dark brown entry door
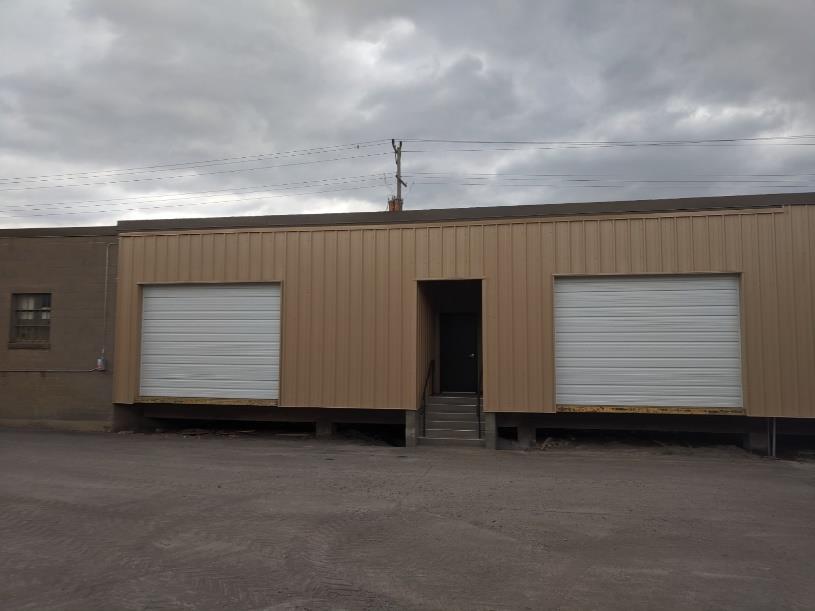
pixel 458 335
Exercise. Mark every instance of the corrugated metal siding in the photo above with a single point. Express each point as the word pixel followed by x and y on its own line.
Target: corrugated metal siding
pixel 373 302
pixel 648 341
pixel 215 341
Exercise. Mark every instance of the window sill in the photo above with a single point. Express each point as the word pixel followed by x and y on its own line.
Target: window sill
pixel 29 346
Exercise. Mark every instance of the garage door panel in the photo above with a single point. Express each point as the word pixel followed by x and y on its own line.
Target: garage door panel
pixel 205 392
pixel 258 348
pixel 648 350
pixel 650 376
pixel 598 361
pixel 575 324
pixel 211 382
pixel 648 341
pixel 663 338
pixel 652 283
pixel 662 299
pixel 245 303
pixel 226 371
pixel 212 331
pixel 172 291
pixel 598 310
pixel 679 394
pixel 226 336
pixel 185 320
pixel 211 341
pixel 198 358
pixel 628 400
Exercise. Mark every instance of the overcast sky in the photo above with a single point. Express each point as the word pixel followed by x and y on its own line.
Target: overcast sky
pixel 246 87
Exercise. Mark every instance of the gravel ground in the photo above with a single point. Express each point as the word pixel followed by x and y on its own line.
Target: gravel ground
pixel 96 521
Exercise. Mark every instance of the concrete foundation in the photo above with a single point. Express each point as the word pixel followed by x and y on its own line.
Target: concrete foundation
pixel 271 414
pixel 411 421
pixel 757 441
pixel 324 429
pixel 490 431
pixel 761 436
pixel 132 418
pixel 753 431
pixel 527 434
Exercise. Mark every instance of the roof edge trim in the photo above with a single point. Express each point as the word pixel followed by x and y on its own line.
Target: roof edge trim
pixel 728 202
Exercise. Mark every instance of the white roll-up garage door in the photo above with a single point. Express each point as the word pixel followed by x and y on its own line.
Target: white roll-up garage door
pixel 648 341
pixel 214 341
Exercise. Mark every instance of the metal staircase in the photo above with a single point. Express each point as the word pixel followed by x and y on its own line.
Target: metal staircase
pixel 452 419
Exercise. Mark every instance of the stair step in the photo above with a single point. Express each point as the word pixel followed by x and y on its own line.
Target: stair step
pixel 455 415
pixel 452 422
pixel 456 409
pixel 438 423
pixel 443 426
pixel 455 400
pixel 454 395
pixel 459 443
pixel 449 409
pixel 451 418
pixel 452 433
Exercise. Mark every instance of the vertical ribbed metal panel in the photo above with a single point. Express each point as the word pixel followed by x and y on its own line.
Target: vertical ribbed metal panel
pixel 213 341
pixel 351 323
pixel 648 341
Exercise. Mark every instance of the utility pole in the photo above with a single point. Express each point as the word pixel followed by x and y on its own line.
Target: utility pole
pixel 395 203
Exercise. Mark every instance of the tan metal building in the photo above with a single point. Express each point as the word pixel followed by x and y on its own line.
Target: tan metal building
pixel 689 306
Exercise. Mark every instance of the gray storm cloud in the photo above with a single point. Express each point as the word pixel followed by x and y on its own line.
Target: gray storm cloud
pixel 91 85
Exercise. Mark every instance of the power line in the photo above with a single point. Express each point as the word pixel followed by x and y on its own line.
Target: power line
pixel 491 174
pixel 583 148
pixel 203 163
pixel 757 139
pixel 356 188
pixel 369 186
pixel 248 197
pixel 194 204
pixel 281 165
pixel 603 184
pixel 193 194
pixel 565 178
pixel 497 180
pixel 91 175
pixel 381 141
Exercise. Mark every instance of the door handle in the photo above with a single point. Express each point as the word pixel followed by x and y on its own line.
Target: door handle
pixel 472 356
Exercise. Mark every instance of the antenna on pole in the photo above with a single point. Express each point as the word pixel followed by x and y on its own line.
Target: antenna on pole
pixel 395 203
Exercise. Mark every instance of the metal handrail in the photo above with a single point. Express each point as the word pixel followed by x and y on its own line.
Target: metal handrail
pixel 478 401
pixel 431 368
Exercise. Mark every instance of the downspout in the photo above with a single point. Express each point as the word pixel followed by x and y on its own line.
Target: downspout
pixel 101 362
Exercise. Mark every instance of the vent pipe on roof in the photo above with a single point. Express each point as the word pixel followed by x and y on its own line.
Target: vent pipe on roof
pixel 395 204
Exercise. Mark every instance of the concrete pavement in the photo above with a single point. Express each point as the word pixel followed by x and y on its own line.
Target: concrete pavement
pixel 102 521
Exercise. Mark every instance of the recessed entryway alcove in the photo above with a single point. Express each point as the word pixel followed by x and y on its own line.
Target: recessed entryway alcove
pixel 449 358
